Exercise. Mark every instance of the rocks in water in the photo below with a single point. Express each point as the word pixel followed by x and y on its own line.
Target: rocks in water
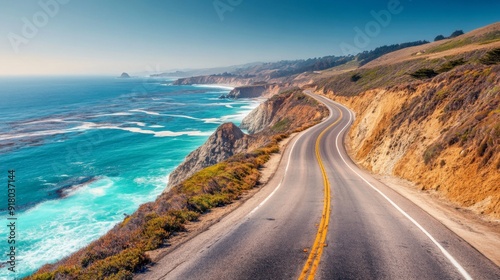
pixel 124 75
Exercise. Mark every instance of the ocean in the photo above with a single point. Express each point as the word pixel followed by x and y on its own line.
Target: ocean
pixel 87 151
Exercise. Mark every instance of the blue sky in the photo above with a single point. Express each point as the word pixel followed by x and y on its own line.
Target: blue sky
pixel 109 37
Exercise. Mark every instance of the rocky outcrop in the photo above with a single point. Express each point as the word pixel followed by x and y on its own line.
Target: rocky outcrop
pixel 226 141
pixel 281 111
pixel 124 75
pixel 254 91
pixel 247 92
pixel 260 117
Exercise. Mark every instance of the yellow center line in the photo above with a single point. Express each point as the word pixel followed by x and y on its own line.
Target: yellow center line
pixel 314 258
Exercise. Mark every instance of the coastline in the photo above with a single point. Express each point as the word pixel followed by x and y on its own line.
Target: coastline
pixel 105 187
pixel 153 223
pixel 47 267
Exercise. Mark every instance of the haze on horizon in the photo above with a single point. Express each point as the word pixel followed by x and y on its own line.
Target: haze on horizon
pixel 74 37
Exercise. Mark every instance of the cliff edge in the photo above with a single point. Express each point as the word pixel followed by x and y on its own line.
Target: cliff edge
pixel 226 141
pixel 279 112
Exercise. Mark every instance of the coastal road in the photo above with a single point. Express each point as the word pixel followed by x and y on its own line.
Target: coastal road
pixel 322 217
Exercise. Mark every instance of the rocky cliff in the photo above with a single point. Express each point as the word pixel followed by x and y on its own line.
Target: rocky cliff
pixel 441 133
pixel 226 141
pixel 281 114
pixel 281 111
pixel 255 91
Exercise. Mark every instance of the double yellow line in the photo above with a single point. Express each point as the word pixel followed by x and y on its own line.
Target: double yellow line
pixel 309 270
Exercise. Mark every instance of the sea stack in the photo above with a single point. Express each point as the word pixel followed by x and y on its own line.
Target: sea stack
pixel 124 75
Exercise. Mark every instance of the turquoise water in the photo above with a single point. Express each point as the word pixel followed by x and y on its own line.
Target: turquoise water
pixel 88 150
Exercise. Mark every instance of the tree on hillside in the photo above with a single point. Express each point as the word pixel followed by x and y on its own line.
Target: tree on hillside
pixel 439 38
pixel 491 57
pixel 456 34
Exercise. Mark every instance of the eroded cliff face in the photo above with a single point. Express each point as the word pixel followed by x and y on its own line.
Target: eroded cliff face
pixel 226 141
pixel 282 114
pixel 282 111
pixel 254 91
pixel 443 134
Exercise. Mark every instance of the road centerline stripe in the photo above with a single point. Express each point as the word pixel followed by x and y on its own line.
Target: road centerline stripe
pixel 312 263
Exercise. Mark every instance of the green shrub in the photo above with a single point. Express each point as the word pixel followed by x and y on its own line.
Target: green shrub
pixel 202 203
pixel 439 38
pixel 124 263
pixel 432 152
pixel 44 276
pixel 451 64
pixel 424 73
pixel 355 77
pixel 282 125
pixel 491 57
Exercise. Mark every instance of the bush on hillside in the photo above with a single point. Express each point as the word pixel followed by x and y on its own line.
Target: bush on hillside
pixel 355 77
pixel 451 64
pixel 439 38
pixel 424 73
pixel 491 57
pixel 453 35
pixel 456 34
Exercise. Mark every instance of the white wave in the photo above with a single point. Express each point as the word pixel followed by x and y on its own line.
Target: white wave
pixel 165 133
pixel 43 121
pixel 137 123
pixel 31 134
pixel 188 133
pixel 156 126
pixel 99 188
pixel 181 116
pixel 213 120
pixel 227 87
pixel 112 114
pixel 89 125
pixel 229 106
pixel 145 112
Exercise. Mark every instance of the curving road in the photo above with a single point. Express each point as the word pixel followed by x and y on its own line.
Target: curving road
pixel 322 217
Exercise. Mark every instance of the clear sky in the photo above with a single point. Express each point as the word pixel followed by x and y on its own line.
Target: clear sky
pixel 54 37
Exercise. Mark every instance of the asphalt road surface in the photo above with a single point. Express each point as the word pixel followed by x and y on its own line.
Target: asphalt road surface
pixel 322 217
